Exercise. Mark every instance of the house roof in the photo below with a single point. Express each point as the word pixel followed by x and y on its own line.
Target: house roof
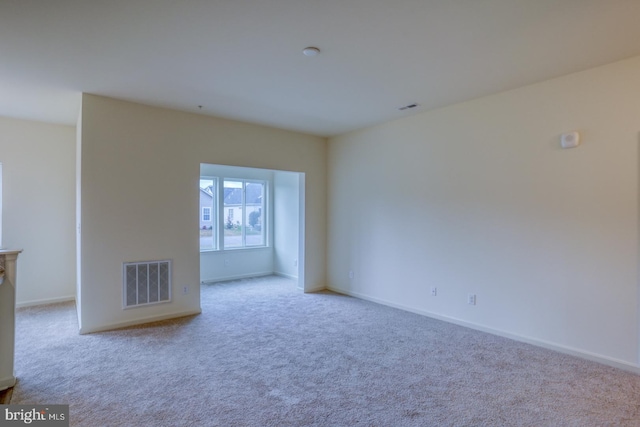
pixel 207 190
pixel 233 196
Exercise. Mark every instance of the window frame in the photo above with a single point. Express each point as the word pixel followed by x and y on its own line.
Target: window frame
pixel 220 212
pixel 213 214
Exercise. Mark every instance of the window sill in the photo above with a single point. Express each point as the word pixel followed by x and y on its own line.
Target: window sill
pixel 245 249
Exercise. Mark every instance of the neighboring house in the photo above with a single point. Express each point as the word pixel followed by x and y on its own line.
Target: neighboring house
pixel 206 208
pixel 232 205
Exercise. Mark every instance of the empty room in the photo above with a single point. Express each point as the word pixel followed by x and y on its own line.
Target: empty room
pixel 285 213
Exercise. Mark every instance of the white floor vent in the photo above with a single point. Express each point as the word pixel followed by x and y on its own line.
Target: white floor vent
pixel 145 283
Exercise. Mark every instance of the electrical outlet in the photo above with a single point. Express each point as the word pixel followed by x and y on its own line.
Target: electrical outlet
pixel 295 262
pixel 471 299
pixel 351 275
pixel 434 291
pixel 226 263
pixel 185 289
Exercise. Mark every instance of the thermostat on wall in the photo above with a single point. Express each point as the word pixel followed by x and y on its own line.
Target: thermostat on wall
pixel 570 139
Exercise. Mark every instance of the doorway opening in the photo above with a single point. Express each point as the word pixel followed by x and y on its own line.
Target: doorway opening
pixel 251 223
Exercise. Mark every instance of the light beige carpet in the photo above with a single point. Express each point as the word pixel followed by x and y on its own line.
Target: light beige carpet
pixel 264 354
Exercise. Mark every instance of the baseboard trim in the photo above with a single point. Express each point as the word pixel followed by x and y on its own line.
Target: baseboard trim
pixel 316 289
pixel 605 360
pixel 288 276
pixel 45 301
pixel 140 321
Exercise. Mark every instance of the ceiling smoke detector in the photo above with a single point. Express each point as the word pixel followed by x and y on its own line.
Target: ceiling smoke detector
pixel 311 51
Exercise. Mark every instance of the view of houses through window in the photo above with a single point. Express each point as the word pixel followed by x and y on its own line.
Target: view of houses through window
pixel 208 201
pixel 234 220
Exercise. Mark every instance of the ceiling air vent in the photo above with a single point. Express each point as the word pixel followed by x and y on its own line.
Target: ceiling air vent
pixel 408 107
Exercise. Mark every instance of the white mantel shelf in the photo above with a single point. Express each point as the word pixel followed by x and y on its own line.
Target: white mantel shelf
pixel 10 253
pixel 8 259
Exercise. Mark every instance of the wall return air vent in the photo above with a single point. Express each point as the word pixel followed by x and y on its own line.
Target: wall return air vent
pixel 145 283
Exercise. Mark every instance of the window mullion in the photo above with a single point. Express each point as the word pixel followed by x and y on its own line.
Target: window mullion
pixel 220 214
pixel 244 213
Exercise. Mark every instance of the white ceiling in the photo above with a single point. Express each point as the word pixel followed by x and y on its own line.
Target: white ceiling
pixel 242 59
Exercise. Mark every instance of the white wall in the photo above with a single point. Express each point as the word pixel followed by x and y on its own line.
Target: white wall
pixel 287 224
pixel 38 162
pixel 78 212
pixel 216 266
pixel 140 172
pixel 546 238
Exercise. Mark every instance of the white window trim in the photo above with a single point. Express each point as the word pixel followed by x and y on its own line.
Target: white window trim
pixel 219 214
